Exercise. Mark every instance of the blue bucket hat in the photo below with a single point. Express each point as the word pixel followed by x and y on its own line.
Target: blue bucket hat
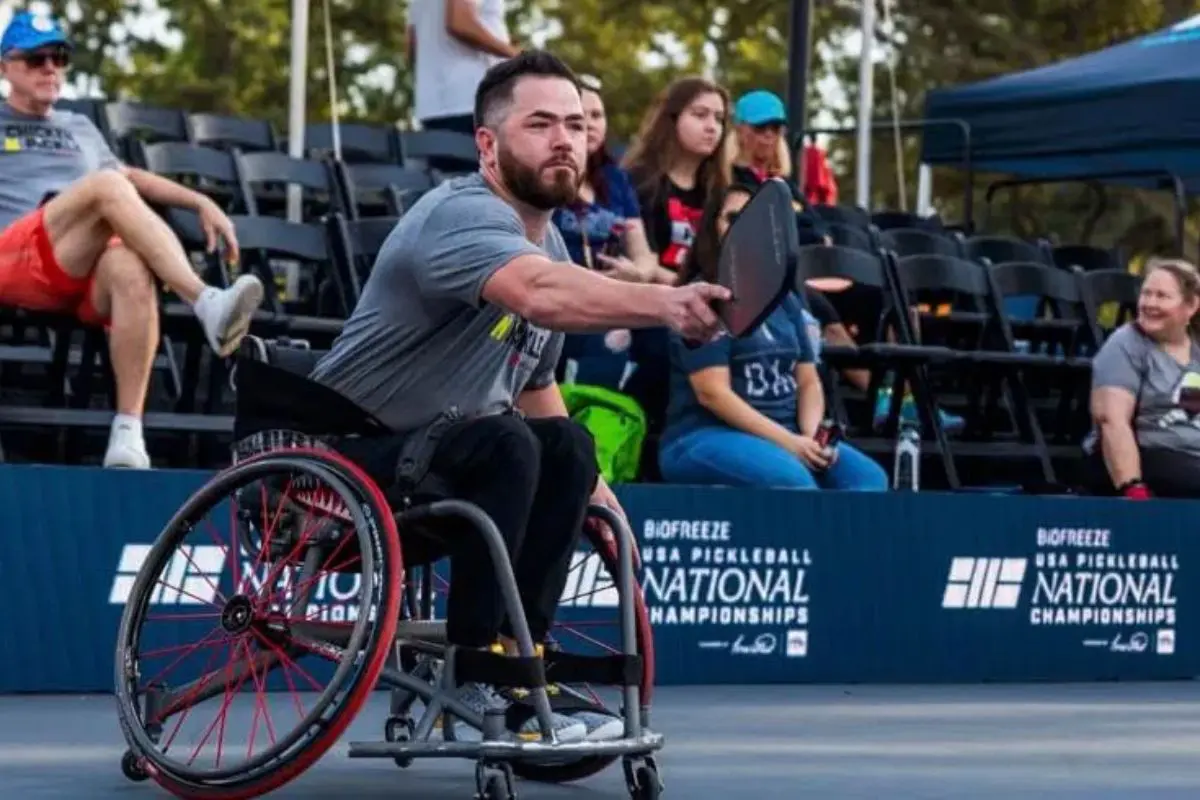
pixel 759 108
pixel 29 31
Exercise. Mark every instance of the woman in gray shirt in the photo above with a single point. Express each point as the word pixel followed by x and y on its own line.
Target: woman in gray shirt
pixel 1145 398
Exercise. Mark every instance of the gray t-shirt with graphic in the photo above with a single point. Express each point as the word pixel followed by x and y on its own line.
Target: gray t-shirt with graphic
pixel 1167 415
pixel 422 339
pixel 39 155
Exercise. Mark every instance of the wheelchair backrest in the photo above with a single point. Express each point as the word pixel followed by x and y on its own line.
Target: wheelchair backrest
pixel 274 392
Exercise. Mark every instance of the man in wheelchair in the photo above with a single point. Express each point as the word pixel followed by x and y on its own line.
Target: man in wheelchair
pixel 453 346
pixel 94 248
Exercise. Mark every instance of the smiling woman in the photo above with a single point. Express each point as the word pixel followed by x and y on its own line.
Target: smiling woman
pixel 1146 392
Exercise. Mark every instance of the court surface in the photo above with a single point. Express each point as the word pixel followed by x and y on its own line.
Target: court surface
pixel 785 742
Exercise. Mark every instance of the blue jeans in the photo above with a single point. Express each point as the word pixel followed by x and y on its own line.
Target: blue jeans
pixel 725 457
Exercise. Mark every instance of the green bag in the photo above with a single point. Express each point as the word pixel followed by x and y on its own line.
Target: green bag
pixel 617 423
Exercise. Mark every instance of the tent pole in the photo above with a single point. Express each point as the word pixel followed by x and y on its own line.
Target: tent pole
pixel 866 102
pixel 799 46
pixel 298 87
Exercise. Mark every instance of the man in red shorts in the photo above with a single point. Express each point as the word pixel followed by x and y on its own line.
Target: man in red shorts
pixel 95 248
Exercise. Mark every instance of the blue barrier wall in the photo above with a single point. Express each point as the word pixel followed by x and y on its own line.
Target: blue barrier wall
pixel 742 586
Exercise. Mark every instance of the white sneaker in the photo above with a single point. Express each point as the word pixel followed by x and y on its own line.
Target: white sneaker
pixel 225 314
pixel 480 698
pixel 126 448
pixel 601 727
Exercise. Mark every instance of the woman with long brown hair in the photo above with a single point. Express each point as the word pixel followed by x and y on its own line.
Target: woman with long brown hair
pixel 677 161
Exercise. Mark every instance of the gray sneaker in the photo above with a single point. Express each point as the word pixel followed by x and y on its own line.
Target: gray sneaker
pixel 601 726
pixel 227 314
pixel 480 698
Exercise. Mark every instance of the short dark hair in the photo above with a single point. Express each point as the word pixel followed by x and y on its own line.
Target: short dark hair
pixel 496 88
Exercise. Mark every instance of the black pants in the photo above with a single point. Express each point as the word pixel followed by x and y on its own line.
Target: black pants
pixel 534 478
pixel 1167 473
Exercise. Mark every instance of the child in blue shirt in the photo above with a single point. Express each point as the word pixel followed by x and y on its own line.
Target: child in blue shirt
pixel 744 412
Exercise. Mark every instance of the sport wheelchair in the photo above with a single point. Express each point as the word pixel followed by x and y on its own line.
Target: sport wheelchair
pixel 304 565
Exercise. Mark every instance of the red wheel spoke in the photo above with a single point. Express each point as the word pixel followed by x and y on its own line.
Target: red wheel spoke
pixel 260 702
pixel 286 659
pixel 186 703
pixel 224 708
pixel 590 640
pixel 185 650
pixel 179 617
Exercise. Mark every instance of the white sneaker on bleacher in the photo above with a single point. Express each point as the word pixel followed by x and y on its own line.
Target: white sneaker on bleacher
pixel 126 447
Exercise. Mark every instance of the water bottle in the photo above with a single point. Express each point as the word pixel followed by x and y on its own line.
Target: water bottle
pixel 907 468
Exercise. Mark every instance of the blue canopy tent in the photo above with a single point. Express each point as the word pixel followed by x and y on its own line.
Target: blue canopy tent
pixel 1127 114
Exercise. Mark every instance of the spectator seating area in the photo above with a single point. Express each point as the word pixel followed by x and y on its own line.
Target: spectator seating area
pixel 1006 347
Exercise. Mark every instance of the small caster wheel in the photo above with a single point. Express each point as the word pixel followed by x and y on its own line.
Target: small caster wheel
pixel 497 789
pixel 399 729
pixel 131 767
pixel 646 784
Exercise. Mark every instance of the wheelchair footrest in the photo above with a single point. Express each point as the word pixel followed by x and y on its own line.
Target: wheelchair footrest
pixel 614 670
pixel 509 672
pixel 514 672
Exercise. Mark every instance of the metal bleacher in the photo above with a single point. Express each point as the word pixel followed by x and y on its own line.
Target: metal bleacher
pixel 56 387
pixel 998 331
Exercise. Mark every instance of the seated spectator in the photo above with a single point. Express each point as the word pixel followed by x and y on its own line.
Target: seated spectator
pixel 678 159
pixel 603 231
pixel 745 412
pixel 761 153
pixel 1146 392
pixel 78 237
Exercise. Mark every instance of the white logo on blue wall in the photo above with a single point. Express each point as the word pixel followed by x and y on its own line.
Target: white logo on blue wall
pixel 984 583
pixel 194 574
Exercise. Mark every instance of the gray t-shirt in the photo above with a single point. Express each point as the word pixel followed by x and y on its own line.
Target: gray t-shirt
pixel 42 155
pixel 1167 415
pixel 422 339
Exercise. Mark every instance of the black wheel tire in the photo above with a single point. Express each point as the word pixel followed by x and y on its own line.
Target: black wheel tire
pixel 586 766
pixel 497 789
pixel 131 767
pixel 375 523
pixel 648 785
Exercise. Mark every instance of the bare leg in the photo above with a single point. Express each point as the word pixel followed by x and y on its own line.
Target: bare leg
pixel 82 219
pixel 123 291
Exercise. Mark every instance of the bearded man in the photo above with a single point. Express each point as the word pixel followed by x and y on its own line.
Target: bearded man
pixel 453 346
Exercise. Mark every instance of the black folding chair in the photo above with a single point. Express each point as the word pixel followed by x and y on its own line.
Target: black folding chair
pixel 893 220
pixel 265 178
pixel 853 216
pixel 356 244
pixel 134 122
pixel 439 152
pixel 360 143
pixel 985 367
pixel 1111 298
pixel 916 242
pixel 223 132
pixel 209 171
pixel 1055 345
pixel 380 190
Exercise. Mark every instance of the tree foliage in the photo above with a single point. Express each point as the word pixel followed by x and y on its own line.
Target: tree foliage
pixel 234 57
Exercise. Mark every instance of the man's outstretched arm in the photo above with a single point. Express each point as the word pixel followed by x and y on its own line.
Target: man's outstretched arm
pixel 566 297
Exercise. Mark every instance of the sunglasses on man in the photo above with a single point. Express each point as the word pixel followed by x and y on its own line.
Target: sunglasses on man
pixel 36 59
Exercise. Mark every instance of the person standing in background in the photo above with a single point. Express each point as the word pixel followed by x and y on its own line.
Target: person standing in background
pixel 451 44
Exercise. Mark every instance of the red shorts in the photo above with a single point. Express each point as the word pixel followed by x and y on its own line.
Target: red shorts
pixel 31 277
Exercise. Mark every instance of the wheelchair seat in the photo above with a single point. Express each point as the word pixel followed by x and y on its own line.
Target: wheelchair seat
pixel 275 393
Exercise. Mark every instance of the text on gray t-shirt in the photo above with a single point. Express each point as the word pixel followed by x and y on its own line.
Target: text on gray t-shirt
pixel 422 339
pixel 42 155
pixel 1167 414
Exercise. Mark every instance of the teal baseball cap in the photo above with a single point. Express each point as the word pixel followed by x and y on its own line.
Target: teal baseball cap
pixel 759 107
pixel 29 31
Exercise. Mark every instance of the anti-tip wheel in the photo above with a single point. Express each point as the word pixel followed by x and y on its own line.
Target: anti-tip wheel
pixel 399 729
pixel 497 789
pixel 131 767
pixel 647 784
